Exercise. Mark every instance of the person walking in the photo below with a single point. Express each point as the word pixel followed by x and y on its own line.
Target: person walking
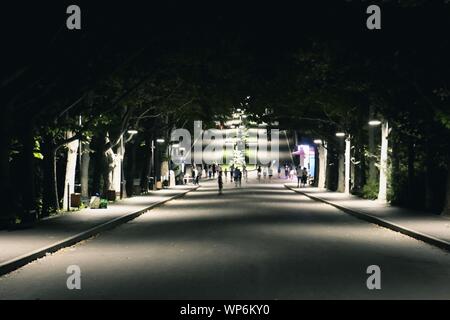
pixel 299 173
pixel 231 173
pixel 258 172
pixel 226 174
pixel 270 173
pixel 292 174
pixel 235 176
pixel 286 171
pixel 279 171
pixel 304 176
pixel 220 182
pixel 239 178
pixel 194 175
pixel 198 176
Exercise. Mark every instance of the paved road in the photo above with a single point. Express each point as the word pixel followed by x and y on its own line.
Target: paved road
pixel 260 241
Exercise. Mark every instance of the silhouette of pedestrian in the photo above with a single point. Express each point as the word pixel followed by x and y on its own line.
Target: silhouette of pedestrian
pixel 304 177
pixel 299 173
pixel 220 182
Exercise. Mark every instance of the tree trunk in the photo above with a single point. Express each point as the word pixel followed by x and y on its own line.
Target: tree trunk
pixel 110 165
pixel 372 168
pixel 146 168
pixel 323 154
pixel 96 174
pixel 50 202
pixel 164 165
pixel 6 214
pixel 429 173
pixel 117 176
pixel 331 178
pixel 396 169
pixel 360 169
pixel 341 170
pixel 69 181
pixel 347 166
pixel 411 173
pixel 27 174
pixel 130 168
pixel 446 210
pixel 98 159
pixel 85 160
pixel 382 187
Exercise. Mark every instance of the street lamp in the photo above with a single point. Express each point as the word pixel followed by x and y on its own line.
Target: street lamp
pixel 318 141
pixel 374 123
pixel 340 134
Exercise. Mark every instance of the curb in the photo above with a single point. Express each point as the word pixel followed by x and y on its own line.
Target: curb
pixel 18 262
pixel 442 244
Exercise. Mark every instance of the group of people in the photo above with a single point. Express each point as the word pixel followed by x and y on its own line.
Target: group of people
pixel 290 172
pixel 236 174
pixel 207 171
pixel 266 171
pixel 302 176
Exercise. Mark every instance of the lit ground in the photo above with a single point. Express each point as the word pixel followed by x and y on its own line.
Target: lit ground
pixel 260 241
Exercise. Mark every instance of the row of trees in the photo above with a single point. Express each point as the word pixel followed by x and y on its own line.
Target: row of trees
pixel 336 84
pixel 70 103
pixel 69 91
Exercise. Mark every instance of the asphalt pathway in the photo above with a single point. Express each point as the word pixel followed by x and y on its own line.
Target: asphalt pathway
pixel 260 241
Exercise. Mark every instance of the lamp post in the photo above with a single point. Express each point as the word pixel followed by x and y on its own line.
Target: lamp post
pixel 382 185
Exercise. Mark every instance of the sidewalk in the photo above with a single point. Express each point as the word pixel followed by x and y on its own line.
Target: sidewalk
pixel 20 247
pixel 427 227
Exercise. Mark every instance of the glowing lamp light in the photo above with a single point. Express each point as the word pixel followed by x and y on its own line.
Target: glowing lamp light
pixel 318 141
pixel 132 131
pixel 160 140
pixel 340 134
pixel 374 122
